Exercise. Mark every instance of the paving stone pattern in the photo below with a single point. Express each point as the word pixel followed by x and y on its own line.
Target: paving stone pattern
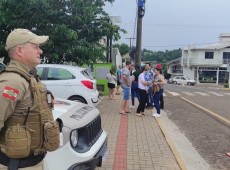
pixel 135 143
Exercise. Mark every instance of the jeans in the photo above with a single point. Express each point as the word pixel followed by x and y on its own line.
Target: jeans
pixel 150 97
pixel 134 92
pixel 156 100
pixel 162 99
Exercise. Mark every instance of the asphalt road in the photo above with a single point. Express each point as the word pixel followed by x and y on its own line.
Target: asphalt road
pixel 210 137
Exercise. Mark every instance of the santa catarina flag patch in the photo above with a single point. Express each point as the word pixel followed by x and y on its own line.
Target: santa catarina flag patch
pixel 10 93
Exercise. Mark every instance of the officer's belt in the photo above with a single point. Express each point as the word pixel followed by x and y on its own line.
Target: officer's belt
pixel 23 162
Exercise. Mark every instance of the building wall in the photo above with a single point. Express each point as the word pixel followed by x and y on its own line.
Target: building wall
pixel 195 66
pixel 197 57
pixel 189 72
pixel 221 54
pixel 224 37
pixel 116 57
pixel 217 58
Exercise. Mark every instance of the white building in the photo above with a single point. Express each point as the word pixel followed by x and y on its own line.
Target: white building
pixel 116 57
pixel 206 64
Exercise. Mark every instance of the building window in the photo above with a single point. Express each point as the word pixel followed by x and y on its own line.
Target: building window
pixel 226 57
pixel 209 55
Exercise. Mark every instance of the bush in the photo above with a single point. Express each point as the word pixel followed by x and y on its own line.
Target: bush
pixel 226 85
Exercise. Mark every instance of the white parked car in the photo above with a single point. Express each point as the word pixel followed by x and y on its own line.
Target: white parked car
pixel 69 82
pixel 183 80
pixel 83 142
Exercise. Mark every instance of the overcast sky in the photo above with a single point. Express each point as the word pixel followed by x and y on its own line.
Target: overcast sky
pixel 173 24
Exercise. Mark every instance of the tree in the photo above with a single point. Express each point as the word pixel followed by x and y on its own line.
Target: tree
pixel 160 56
pixel 123 48
pixel 74 27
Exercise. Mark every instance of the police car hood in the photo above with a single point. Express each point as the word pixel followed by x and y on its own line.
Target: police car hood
pixel 74 114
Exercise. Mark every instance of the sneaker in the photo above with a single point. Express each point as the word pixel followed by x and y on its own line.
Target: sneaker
pixel 156 115
pixel 138 114
pixel 132 107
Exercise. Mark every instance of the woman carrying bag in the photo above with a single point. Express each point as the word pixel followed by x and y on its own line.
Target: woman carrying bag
pixel 158 82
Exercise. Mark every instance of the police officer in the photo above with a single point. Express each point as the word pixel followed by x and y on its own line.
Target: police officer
pixel 26 106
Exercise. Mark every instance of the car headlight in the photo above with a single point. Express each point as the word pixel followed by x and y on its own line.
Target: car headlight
pixel 74 138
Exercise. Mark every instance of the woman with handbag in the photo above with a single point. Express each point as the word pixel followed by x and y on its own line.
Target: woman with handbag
pixel 158 82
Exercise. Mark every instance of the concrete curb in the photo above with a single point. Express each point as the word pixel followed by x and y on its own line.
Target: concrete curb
pixel 171 145
pixel 186 155
pixel 211 113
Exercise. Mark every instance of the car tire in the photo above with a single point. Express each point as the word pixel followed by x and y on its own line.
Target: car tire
pixel 77 99
pixel 188 83
pixel 174 82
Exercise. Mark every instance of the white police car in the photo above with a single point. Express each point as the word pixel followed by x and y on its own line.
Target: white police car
pixel 83 141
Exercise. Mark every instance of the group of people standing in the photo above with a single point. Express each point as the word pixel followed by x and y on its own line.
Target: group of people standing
pixel 146 84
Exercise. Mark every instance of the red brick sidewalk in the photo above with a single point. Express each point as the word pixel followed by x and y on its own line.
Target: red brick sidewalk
pixel 135 143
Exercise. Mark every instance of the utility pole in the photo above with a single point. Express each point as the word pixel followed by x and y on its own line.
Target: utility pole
pixel 141 13
pixel 130 45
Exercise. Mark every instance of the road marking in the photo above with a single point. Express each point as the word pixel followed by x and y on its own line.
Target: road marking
pixel 215 93
pixel 174 93
pixel 202 94
pixel 188 93
pixel 215 115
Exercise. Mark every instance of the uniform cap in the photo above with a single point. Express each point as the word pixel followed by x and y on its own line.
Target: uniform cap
pixel 21 36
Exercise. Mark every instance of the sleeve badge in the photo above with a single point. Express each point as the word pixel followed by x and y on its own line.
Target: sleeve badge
pixel 10 93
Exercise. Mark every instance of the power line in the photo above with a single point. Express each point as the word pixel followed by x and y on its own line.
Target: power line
pixel 180 25
pixel 177 45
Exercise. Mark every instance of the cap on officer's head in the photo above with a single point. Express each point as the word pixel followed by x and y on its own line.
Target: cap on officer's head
pixel 21 36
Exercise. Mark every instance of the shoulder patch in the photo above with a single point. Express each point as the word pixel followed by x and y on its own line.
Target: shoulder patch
pixel 10 93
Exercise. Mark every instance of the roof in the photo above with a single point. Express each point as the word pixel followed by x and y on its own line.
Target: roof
pixel 215 46
pixel 175 60
pixel 225 35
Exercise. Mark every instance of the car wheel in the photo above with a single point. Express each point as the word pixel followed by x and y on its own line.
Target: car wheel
pixel 188 83
pixel 77 99
pixel 174 82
